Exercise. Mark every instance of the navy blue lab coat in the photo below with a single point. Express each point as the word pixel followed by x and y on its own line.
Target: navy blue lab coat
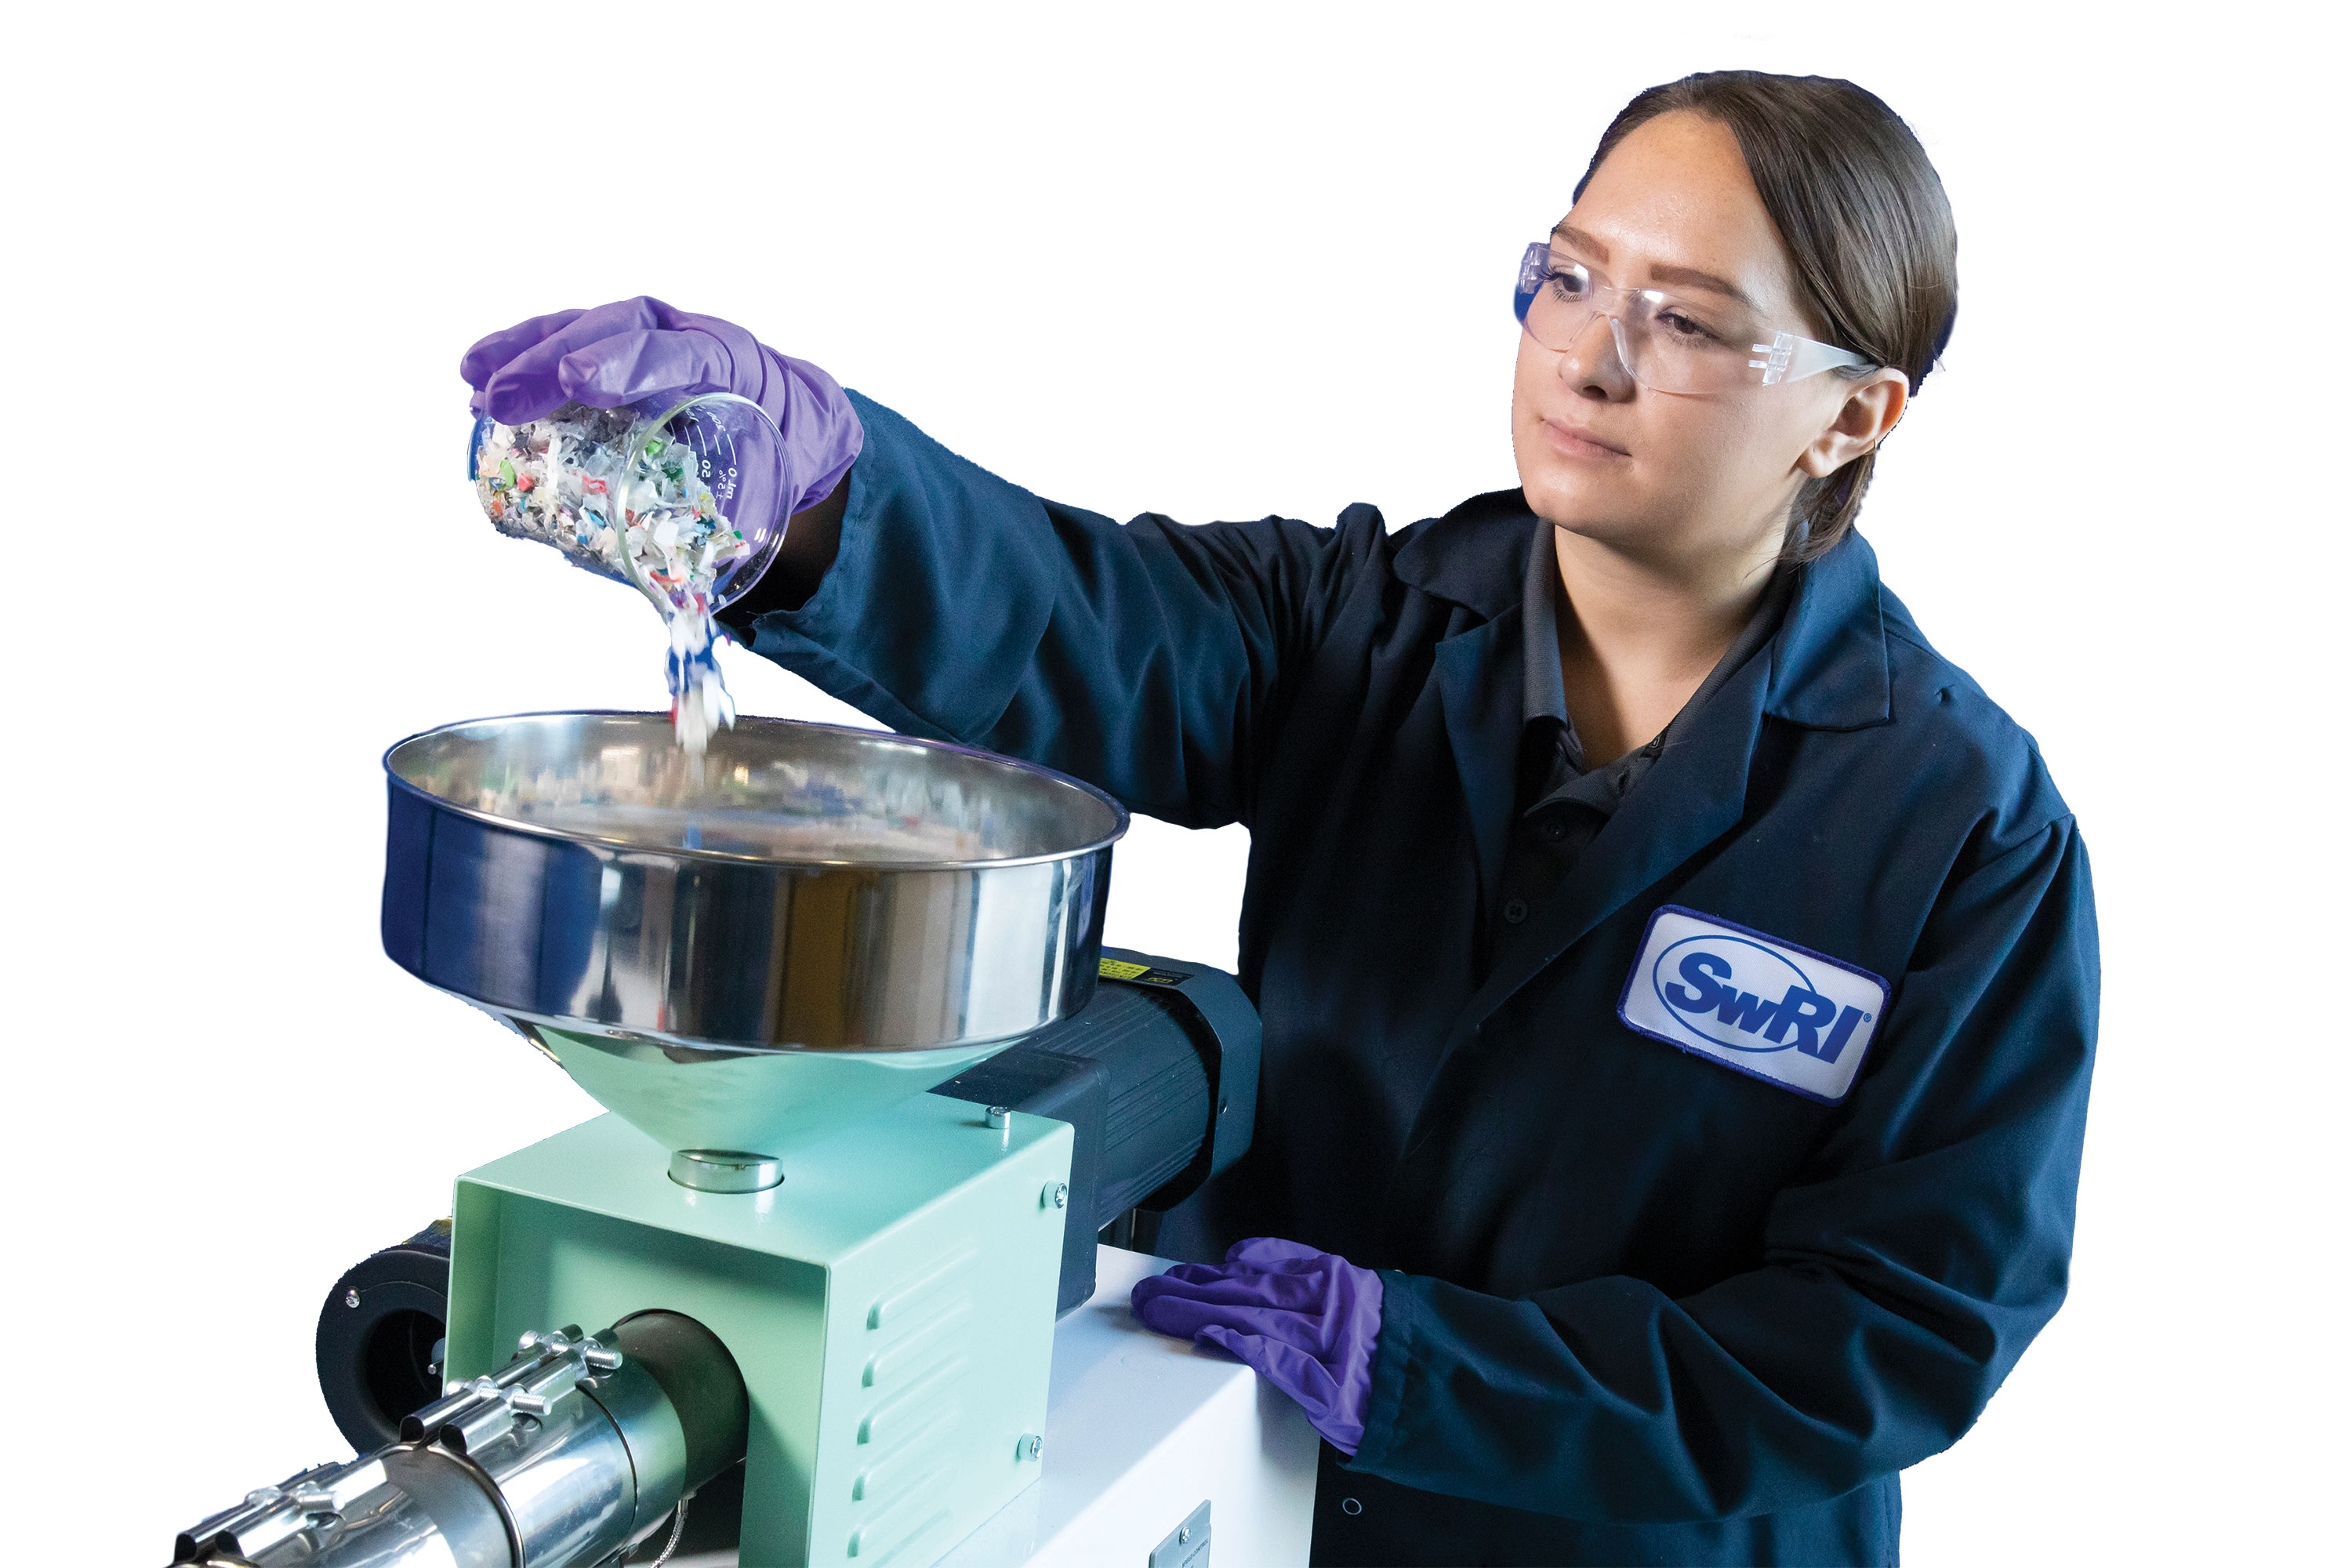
pixel 1639 1307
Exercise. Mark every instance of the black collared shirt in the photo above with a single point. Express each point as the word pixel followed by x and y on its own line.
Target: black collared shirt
pixel 1561 805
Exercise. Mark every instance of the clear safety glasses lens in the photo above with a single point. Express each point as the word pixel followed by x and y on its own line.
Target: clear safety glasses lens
pixel 1667 342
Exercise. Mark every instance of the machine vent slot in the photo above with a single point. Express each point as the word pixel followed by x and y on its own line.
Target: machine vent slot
pixel 921 1433
pixel 887 1421
pixel 914 1467
pixel 913 1356
pixel 900 1415
pixel 917 1297
pixel 881 1541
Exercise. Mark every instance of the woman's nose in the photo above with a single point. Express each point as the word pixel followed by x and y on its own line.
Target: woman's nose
pixel 1595 362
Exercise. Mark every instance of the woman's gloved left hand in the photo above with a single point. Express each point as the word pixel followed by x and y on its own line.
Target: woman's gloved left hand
pixel 1307 1321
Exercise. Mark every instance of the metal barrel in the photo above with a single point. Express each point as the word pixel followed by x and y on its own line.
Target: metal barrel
pixel 584 1453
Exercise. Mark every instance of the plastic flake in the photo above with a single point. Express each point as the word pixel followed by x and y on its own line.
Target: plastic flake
pixel 561 481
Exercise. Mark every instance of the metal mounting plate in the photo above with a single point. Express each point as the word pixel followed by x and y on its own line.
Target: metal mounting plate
pixel 1187 1545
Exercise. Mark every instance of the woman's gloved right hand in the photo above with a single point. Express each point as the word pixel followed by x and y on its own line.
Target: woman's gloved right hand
pixel 643 352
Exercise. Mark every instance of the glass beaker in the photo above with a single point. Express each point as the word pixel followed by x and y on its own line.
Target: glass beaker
pixel 684 505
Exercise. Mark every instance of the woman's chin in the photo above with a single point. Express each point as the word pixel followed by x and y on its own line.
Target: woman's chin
pixel 1576 509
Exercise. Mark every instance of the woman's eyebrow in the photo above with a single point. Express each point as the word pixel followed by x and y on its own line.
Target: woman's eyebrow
pixel 1690 275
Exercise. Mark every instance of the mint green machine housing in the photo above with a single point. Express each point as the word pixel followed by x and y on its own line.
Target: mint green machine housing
pixel 760 959
pixel 890 1306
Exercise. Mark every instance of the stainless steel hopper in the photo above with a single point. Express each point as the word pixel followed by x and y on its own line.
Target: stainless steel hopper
pixel 816 922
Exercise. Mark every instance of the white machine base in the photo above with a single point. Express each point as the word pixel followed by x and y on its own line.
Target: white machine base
pixel 1140 1430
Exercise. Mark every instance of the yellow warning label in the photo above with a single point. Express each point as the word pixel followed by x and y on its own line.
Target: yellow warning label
pixel 1119 969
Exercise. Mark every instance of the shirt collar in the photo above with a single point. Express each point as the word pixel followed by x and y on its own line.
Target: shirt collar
pixel 1547 694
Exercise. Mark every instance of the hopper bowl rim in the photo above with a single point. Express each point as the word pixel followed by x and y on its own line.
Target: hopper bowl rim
pixel 1121 819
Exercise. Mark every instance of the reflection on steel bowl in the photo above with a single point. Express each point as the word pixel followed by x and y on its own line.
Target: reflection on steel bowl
pixel 815 888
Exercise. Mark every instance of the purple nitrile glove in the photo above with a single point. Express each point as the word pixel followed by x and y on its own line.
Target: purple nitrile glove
pixel 643 352
pixel 1307 1321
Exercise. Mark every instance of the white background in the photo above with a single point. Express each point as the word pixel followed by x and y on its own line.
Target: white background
pixel 1210 262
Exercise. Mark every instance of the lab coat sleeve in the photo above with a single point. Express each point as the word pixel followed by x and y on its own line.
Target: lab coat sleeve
pixel 1900 1278
pixel 1149 659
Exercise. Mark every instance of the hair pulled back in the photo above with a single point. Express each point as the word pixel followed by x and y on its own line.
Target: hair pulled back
pixel 1866 224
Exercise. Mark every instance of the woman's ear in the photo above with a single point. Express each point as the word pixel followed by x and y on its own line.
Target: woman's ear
pixel 1873 405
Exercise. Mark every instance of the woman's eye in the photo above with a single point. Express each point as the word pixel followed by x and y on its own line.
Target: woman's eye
pixel 1686 327
pixel 1568 285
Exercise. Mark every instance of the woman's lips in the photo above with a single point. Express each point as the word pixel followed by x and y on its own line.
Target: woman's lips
pixel 1571 442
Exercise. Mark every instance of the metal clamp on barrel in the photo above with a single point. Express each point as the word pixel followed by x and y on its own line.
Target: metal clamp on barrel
pixel 546 1367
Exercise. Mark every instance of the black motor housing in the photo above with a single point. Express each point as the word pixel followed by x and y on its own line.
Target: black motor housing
pixel 1157 1076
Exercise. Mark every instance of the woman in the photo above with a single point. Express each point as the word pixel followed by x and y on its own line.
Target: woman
pixel 1679 982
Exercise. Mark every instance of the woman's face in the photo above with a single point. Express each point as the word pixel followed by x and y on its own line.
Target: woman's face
pixel 1680 478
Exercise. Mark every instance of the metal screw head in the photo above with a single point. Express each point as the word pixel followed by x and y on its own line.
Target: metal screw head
pixel 1032 1446
pixel 351 1297
pixel 1000 1116
pixel 1057 1194
pixel 1184 1534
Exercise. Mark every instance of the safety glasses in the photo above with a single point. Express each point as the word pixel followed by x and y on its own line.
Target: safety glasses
pixel 1667 342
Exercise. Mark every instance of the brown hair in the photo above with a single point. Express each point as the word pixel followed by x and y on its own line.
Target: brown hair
pixel 1864 218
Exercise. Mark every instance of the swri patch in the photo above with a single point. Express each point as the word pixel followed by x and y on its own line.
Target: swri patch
pixel 1757 1005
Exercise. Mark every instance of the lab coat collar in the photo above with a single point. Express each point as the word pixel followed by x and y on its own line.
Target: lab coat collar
pixel 1828 659
pixel 1476 555
pixel 1481 686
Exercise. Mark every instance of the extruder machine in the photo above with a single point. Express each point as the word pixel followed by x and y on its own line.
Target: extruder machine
pixel 875 1089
